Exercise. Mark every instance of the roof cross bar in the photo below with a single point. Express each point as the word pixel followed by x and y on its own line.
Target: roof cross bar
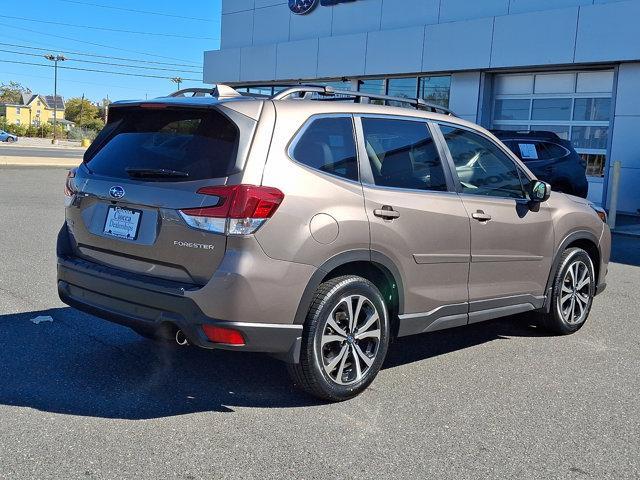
pixel 304 92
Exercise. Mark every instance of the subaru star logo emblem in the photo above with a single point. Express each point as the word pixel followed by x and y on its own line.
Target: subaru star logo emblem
pixel 302 7
pixel 116 192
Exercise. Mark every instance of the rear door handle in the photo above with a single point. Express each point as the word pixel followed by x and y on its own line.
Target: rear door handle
pixel 386 212
pixel 481 216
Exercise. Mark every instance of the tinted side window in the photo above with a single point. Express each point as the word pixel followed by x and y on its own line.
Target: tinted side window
pixel 327 145
pixel 402 154
pixel 483 169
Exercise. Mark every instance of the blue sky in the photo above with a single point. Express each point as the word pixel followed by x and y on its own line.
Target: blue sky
pixel 27 35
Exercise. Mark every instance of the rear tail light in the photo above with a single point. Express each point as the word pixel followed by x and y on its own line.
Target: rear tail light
pixel 69 187
pixel 241 209
pixel 227 336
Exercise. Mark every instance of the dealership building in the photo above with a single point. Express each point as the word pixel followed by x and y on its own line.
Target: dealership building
pixel 569 66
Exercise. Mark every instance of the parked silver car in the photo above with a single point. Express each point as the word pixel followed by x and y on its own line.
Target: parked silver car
pixel 316 226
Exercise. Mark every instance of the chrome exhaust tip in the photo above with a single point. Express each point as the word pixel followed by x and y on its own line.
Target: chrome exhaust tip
pixel 181 338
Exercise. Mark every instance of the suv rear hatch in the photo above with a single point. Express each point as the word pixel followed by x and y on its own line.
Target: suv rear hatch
pixel 132 201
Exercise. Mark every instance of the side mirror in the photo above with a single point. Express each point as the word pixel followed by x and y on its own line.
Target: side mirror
pixel 539 191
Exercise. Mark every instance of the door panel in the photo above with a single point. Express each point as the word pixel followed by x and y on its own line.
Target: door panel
pixel 429 242
pixel 510 253
pixel 511 245
pixel 414 219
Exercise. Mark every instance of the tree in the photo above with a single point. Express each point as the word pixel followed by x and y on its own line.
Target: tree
pixel 77 107
pixel 94 124
pixel 12 92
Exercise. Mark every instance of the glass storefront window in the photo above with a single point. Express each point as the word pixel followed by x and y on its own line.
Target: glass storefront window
pixel 402 87
pixel 595 163
pixel 551 109
pixel 511 110
pixel 375 86
pixel 435 89
pixel 592 109
pixel 590 138
pixel 574 105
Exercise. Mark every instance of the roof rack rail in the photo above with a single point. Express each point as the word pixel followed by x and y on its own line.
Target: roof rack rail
pixel 305 91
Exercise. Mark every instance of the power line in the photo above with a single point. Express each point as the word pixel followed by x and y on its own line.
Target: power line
pixel 104 63
pixel 96 44
pixel 73 81
pixel 94 55
pixel 146 12
pixel 140 75
pixel 105 29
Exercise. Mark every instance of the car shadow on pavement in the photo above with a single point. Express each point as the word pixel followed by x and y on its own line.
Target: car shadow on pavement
pixel 80 365
pixel 427 345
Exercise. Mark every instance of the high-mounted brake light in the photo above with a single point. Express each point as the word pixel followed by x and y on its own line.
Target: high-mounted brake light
pixel 153 105
pixel 241 209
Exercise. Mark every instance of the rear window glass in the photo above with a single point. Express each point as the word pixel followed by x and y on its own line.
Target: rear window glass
pixel 529 151
pixel 172 145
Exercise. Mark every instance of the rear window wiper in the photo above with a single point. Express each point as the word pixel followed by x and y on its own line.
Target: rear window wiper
pixel 155 173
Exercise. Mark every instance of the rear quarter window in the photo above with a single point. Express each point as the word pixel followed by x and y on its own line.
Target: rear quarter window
pixel 199 143
pixel 327 144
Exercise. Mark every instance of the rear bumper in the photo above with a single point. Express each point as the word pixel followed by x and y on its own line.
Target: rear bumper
pixel 152 306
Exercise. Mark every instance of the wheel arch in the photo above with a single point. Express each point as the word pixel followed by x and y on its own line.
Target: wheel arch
pixel 374 266
pixel 581 239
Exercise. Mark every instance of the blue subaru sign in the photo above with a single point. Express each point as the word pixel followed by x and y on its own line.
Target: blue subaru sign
pixel 302 7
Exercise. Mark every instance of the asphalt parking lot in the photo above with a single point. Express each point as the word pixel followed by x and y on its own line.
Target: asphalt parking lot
pixel 81 398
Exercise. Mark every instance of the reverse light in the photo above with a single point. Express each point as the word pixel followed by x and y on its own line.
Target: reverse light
pixel 227 336
pixel 241 209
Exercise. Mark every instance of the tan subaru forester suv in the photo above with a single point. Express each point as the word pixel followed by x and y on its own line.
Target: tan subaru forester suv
pixel 317 225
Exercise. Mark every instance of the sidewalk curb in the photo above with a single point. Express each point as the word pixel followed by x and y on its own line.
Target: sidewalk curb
pixel 48 147
pixel 39 162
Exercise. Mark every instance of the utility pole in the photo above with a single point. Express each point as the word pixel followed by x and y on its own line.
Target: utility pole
pixel 177 80
pixel 81 109
pixel 55 59
pixel 106 110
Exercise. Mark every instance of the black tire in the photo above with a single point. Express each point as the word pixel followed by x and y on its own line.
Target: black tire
pixel 330 300
pixel 10 140
pixel 556 320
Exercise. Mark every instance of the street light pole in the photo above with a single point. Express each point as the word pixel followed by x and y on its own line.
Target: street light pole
pixel 55 59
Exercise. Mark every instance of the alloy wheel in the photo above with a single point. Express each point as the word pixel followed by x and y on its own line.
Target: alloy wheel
pixel 575 295
pixel 350 340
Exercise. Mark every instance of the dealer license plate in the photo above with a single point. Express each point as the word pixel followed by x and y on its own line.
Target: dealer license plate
pixel 122 222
